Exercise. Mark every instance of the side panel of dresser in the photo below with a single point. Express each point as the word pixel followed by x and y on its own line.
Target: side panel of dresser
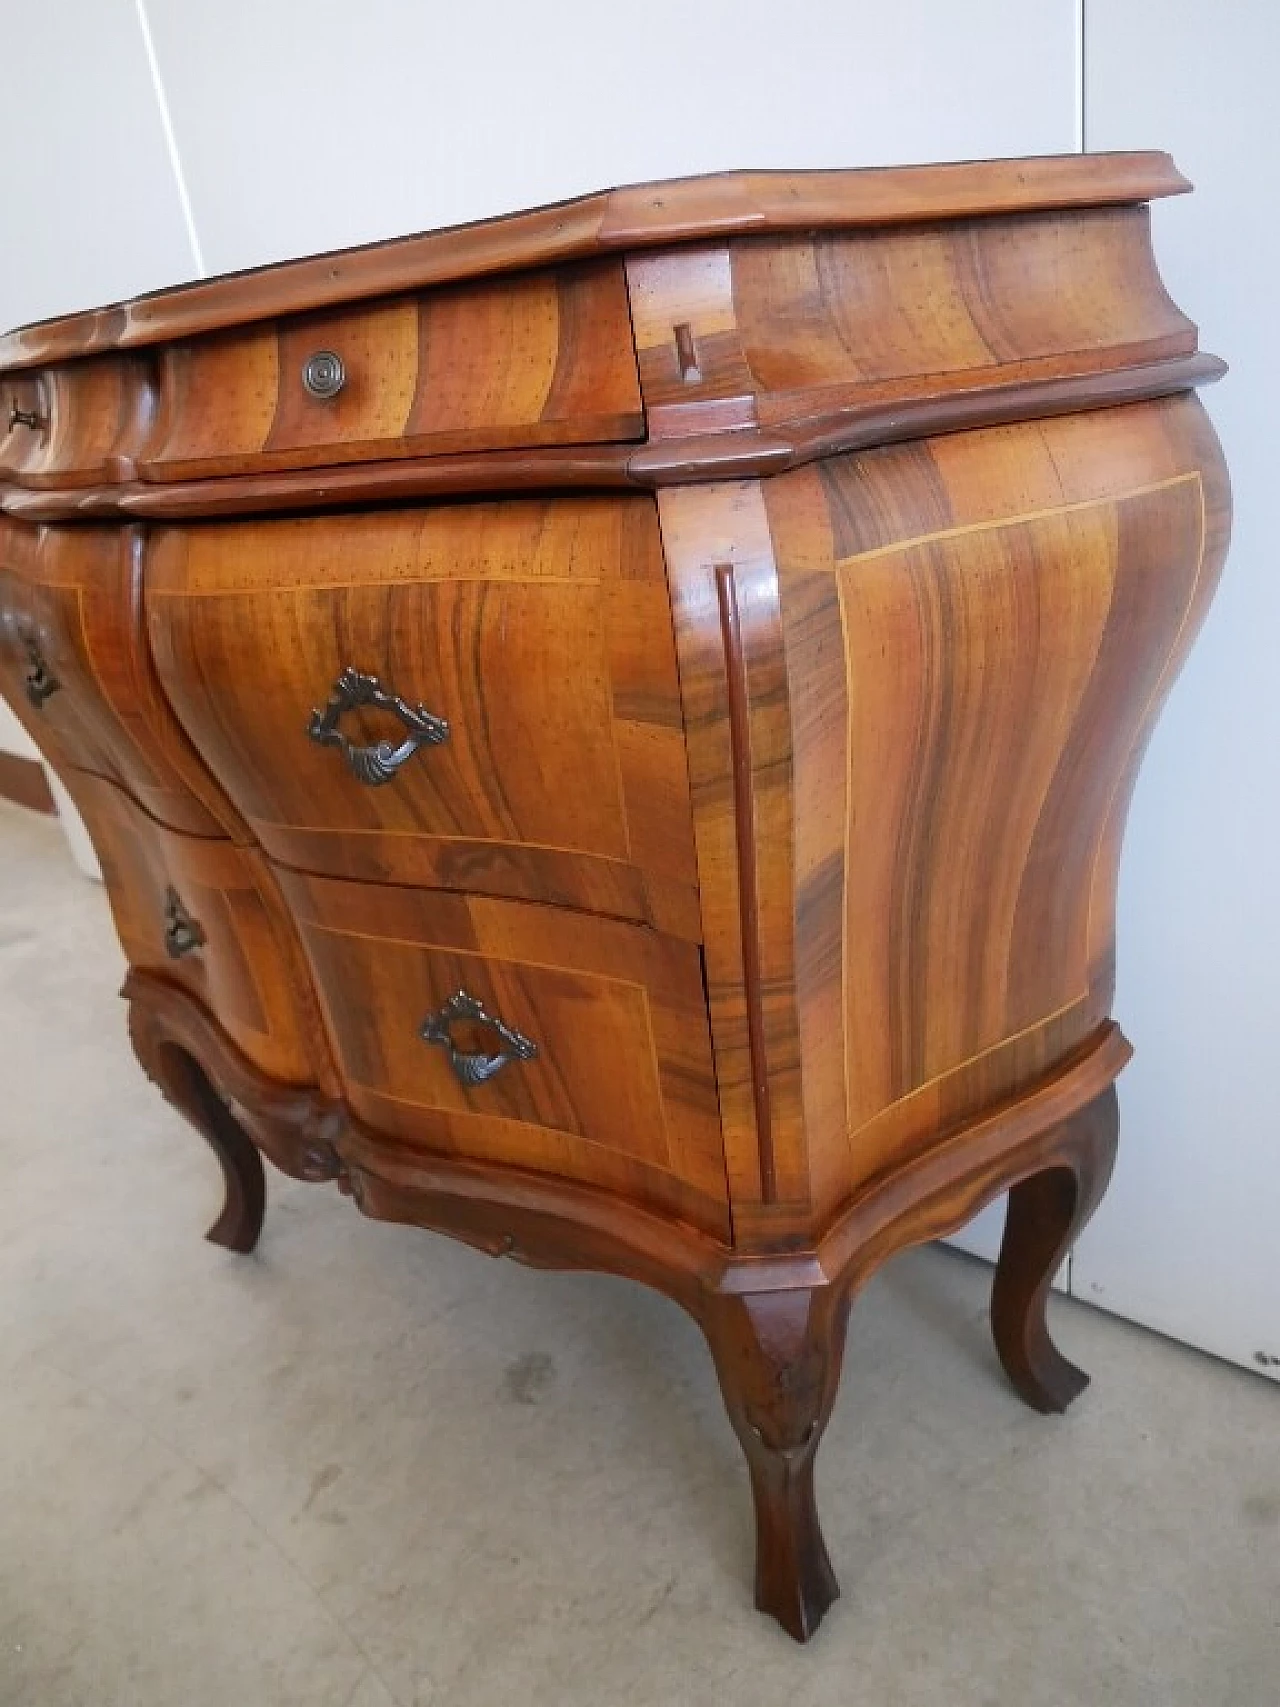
pixel 930 671
pixel 74 668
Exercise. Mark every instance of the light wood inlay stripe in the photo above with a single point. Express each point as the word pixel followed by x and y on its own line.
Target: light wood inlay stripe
pixel 318 585
pixel 426 944
pixel 435 836
pixel 1017 520
pixel 929 1084
pixel 519 1129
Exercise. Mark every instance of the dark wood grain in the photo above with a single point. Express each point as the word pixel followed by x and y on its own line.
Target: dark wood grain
pixel 540 359
pixel 23 781
pixel 621 1092
pixel 87 416
pixel 1047 1213
pixel 182 1081
pixel 786 326
pixel 775 1324
pixel 540 631
pixel 739 454
pixel 716 888
pixel 778 1357
pixel 639 216
pixel 187 1057
pixel 248 970
pixel 930 816
pixel 74 596
pixel 750 452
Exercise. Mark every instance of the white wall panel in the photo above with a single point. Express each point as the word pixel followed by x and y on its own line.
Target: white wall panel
pixel 89 208
pixel 309 126
pixel 1188 1240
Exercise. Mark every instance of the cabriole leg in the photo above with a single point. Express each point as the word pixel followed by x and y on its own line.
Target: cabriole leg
pixel 778 1357
pixel 1046 1215
pixel 185 1084
pixel 239 1226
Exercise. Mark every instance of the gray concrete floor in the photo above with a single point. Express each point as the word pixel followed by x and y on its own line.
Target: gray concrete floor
pixel 369 1466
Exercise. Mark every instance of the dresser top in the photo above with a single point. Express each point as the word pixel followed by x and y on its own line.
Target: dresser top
pixel 640 216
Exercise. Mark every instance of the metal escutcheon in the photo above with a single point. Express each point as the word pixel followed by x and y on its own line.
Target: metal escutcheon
pixel 475 1067
pixel 182 933
pixel 25 418
pixel 323 374
pixel 39 682
pixel 377 764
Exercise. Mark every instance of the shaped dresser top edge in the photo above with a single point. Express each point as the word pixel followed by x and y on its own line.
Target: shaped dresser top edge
pixel 639 216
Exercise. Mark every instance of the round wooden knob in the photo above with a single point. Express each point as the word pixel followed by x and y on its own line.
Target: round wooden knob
pixel 323 374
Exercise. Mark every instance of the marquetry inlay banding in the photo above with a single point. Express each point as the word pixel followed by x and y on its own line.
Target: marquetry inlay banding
pixel 633 777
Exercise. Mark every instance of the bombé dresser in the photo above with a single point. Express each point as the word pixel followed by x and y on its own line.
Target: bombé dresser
pixel 608 731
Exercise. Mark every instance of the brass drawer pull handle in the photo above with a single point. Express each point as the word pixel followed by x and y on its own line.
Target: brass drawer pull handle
pixel 40 682
pixel 379 763
pixel 25 418
pixel 323 375
pixel 182 933
pixel 476 1067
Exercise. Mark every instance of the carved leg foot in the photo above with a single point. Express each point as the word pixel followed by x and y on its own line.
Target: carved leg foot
pixel 239 1226
pixel 778 1357
pixel 1046 1215
pixel 294 1126
pixel 185 1084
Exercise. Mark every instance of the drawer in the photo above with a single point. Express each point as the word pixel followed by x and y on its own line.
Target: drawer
pixel 802 323
pixel 73 669
pixel 521 1035
pixel 192 909
pixel 529 730
pixel 543 358
pixel 73 425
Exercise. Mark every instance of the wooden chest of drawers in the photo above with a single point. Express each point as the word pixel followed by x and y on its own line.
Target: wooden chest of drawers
pixel 608 731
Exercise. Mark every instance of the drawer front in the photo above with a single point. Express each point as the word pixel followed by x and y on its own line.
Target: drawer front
pixel 534 359
pixel 193 910
pixel 801 323
pixel 599 1066
pixel 73 669
pixel 71 425
pixel 539 632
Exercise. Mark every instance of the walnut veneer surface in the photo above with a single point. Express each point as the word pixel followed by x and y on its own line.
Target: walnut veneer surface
pixel 608 731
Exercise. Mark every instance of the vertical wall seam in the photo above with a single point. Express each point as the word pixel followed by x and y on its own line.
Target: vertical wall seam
pixel 171 141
